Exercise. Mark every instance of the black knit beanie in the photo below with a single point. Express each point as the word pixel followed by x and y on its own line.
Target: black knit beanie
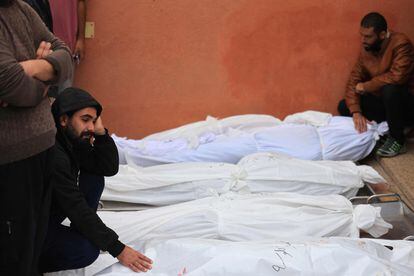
pixel 71 100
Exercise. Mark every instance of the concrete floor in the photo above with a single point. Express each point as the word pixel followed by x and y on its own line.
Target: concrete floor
pixel 399 173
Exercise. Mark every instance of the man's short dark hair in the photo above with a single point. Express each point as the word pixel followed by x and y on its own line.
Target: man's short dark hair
pixel 376 20
pixel 6 3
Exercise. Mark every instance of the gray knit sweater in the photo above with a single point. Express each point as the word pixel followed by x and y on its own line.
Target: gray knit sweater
pixel 26 124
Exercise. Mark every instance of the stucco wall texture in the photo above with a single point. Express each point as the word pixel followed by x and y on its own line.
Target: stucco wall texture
pixel 158 64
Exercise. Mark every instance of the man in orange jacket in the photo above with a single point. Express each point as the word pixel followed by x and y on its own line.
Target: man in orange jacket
pixel 381 84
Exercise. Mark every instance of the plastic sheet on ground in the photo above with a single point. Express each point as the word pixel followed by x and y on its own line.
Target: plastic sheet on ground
pixel 316 140
pixel 256 173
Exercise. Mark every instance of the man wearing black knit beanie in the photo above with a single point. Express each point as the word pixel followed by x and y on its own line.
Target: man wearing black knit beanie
pixel 84 154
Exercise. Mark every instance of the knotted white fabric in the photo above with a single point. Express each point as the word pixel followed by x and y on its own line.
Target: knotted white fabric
pixel 340 141
pixel 307 135
pixel 368 218
pixel 256 173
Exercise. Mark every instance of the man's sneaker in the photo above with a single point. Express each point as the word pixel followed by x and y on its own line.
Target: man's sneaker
pixel 391 148
pixel 381 141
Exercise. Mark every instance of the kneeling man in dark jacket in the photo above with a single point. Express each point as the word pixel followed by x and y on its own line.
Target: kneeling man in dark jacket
pixel 84 154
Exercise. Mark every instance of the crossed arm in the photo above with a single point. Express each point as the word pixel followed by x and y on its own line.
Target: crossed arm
pixel 38 68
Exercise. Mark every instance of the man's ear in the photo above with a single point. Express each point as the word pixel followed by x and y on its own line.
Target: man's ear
pixel 63 120
pixel 383 35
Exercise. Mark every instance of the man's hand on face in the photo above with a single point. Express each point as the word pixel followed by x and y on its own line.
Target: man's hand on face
pixel 359 88
pixel 360 122
pixel 99 127
pixel 134 260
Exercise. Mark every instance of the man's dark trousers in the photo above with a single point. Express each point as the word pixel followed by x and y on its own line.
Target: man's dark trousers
pixel 65 248
pixel 24 212
pixel 395 104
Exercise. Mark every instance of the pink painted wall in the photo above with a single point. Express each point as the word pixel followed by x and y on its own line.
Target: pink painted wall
pixel 157 64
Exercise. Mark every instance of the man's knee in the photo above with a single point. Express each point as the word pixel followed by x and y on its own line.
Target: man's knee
pixel 391 91
pixel 91 179
pixel 88 182
pixel 69 251
pixel 343 109
pixel 89 254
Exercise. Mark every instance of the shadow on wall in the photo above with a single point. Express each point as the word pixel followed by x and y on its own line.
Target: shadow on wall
pixel 161 64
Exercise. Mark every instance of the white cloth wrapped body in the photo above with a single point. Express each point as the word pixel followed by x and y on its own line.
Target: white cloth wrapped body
pixel 256 173
pixel 244 218
pixel 337 140
pixel 191 135
pixel 308 256
pixel 295 256
pixel 245 123
pixel 249 217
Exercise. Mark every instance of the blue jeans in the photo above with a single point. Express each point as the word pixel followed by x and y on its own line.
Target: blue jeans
pixel 65 247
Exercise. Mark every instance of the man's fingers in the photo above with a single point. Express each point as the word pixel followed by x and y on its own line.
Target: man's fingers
pixel 140 267
pixel 359 127
pixel 40 50
pixel 363 125
pixel 44 50
pixel 144 261
pixel 145 264
pixel 48 46
pixel 145 258
pixel 365 122
pixel 358 123
pixel 133 267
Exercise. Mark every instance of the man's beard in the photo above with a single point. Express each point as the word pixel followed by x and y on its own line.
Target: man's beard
pixel 374 47
pixel 82 140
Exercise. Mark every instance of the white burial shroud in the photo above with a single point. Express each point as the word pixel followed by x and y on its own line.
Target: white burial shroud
pixel 191 132
pixel 307 256
pixel 309 135
pixel 256 173
pixel 234 217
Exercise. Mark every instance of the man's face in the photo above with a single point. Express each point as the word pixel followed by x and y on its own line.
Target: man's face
pixel 371 40
pixel 81 126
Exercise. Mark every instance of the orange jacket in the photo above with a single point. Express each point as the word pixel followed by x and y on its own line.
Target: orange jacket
pixel 393 64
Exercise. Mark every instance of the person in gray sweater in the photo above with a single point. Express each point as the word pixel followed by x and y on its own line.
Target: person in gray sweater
pixel 31 59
